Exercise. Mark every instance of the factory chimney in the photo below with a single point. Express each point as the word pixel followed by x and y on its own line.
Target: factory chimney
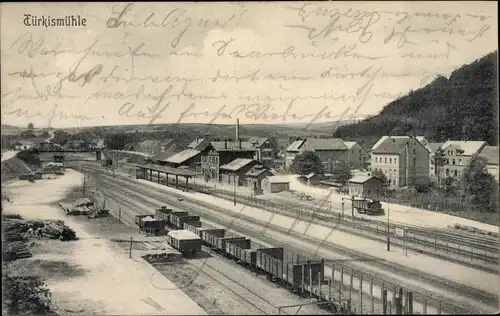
pixel 237 129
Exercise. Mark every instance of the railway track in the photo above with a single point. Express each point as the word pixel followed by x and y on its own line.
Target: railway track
pixel 444 283
pixel 484 248
pixel 487 262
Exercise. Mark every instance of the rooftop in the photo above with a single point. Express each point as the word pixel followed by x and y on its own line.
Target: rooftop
pixel 232 146
pixel 469 147
pixel 350 144
pixel 361 179
pixel 435 146
pixel 327 143
pixel 257 170
pixel 195 143
pixel 491 154
pixel 183 156
pixel 162 156
pixel 169 170
pixel 257 141
pixel 295 145
pixel 391 144
pixel 278 179
pixel 237 164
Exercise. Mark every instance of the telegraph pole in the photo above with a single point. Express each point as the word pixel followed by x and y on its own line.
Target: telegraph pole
pixel 388 227
pixel 84 182
pixel 234 190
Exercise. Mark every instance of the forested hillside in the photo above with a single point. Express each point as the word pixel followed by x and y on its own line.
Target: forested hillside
pixel 463 107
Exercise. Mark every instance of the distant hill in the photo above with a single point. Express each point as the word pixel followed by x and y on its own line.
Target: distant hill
pixel 463 107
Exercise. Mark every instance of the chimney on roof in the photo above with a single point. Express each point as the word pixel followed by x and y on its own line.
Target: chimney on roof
pixel 237 129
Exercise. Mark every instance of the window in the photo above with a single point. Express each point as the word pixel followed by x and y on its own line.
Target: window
pixel 376 159
pixel 385 160
pixel 414 151
pixel 455 172
pixel 453 161
pixel 460 161
pixel 395 160
pixel 447 172
pixel 447 161
pixel 390 160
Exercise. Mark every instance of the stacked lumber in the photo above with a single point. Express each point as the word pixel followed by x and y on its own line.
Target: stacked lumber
pixel 15 250
pixel 18 229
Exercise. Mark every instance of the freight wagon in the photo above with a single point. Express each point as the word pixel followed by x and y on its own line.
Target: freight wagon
pixel 179 221
pixel 367 206
pixel 184 241
pixel 152 226
pixel 217 238
pixel 138 219
pixel 173 217
pixel 191 226
pixel 163 213
pixel 292 269
pixel 241 249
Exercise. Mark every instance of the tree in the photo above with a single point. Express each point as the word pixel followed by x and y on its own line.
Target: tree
pixel 449 186
pixel 379 174
pixel 423 185
pixel 307 162
pixel 478 183
pixel 342 172
pixel 25 295
pixel 438 160
pixel 30 126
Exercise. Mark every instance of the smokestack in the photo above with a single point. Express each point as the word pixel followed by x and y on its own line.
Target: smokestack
pixel 237 129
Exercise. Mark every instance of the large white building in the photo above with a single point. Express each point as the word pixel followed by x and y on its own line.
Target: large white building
pixel 402 159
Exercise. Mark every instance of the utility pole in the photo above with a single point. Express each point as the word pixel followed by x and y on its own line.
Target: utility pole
pixel 234 190
pixel 388 227
pixel 113 164
pixel 84 183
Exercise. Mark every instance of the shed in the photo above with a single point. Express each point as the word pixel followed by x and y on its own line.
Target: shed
pixel 255 176
pixel 311 179
pixel 365 186
pixel 275 184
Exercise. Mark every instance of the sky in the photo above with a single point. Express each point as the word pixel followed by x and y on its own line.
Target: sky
pixel 263 63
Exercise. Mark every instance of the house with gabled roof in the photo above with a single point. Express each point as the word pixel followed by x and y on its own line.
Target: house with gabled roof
pixel 329 150
pixel 234 171
pixel 491 155
pixel 220 153
pixel 266 150
pixel 458 155
pixel 402 159
pixel 357 156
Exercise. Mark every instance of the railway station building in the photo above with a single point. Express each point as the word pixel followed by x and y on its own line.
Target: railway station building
pixel 255 176
pixel 365 186
pixel 236 170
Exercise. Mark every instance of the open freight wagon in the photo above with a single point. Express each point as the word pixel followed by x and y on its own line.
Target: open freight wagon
pixel 294 270
pixel 184 241
pixel 217 238
pixel 163 213
pixel 244 250
pixel 173 218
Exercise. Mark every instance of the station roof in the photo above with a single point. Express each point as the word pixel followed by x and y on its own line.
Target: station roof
pixel 169 170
